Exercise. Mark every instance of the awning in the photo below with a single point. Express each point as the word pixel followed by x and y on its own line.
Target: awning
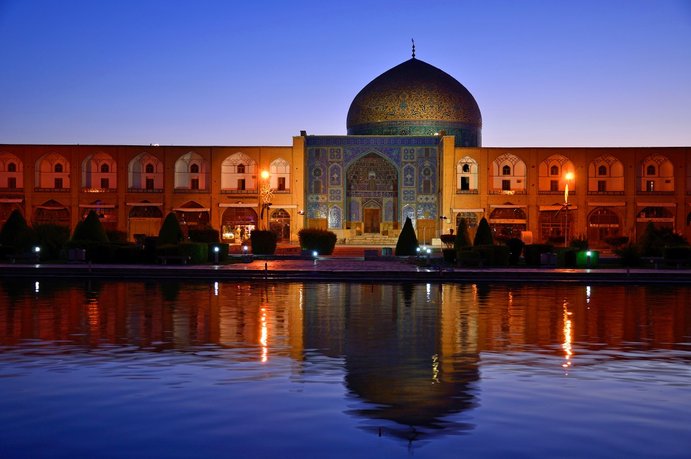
pixel 51 207
pixel 283 206
pixel 239 204
pixel 555 208
pixel 607 204
pixel 507 206
pixel 508 221
pixel 656 204
pixel 144 204
pixel 97 206
pixel 191 209
pixel 11 200
pixel 469 210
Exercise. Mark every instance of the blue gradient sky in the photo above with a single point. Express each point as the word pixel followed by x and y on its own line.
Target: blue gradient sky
pixel 201 72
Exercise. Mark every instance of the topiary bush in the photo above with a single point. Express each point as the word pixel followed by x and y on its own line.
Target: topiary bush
pixel 407 244
pixel 170 232
pixel 321 241
pixel 462 236
pixel 16 236
pixel 263 242
pixel 203 234
pixel 483 236
pixel 515 246
pixel 90 230
pixel 52 239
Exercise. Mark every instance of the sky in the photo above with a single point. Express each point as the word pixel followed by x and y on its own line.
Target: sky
pixel 215 72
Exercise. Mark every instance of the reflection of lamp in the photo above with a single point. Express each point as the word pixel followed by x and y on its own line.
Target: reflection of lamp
pixel 568 176
pixel 266 195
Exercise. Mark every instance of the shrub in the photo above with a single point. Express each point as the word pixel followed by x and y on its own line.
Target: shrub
pixel 616 241
pixel 468 258
pixel 483 236
pixel 515 246
pixel 579 243
pixel 322 241
pixel 170 232
pixel 654 240
pixel 407 241
pixel 263 242
pixel 195 252
pixel 492 255
pixel 629 254
pixel 116 236
pixel 462 236
pixel 532 253
pixel 203 234
pixel 52 239
pixel 90 230
pixel 677 254
pixel 16 233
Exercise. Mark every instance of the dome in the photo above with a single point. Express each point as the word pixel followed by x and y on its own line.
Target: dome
pixel 416 98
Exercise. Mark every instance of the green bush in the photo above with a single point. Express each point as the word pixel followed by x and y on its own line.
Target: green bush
pixel 654 240
pixel 263 242
pixel 116 236
pixel 195 252
pixel 566 258
pixel 468 258
pixel 462 239
pixel 492 255
pixel 90 230
pixel 52 239
pixel 629 254
pixel 515 246
pixel 322 241
pixel 170 232
pixel 483 236
pixel 532 253
pixel 203 234
pixel 579 243
pixel 16 236
pixel 407 244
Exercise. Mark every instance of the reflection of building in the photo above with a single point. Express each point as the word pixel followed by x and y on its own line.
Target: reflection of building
pixel 413 149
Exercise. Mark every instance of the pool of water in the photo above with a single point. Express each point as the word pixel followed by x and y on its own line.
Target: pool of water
pixel 179 370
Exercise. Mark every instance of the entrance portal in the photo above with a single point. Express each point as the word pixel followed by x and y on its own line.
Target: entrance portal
pixel 372 220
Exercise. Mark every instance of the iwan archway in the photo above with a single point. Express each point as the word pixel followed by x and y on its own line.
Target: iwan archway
pixel 372 195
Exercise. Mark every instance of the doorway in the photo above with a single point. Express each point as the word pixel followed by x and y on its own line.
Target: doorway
pixel 372 220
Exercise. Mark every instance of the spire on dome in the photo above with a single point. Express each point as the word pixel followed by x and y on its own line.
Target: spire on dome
pixel 413 47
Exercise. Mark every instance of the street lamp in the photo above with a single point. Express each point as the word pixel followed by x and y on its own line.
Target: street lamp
pixel 266 194
pixel 568 177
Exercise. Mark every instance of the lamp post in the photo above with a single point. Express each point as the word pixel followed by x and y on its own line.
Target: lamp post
pixel 568 177
pixel 266 196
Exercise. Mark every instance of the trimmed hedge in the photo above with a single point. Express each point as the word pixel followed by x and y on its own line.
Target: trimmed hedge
pixel 263 242
pixel 203 234
pixel 532 253
pixel 321 241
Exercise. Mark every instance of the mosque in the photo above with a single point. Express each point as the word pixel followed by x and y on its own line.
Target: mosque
pixel 413 149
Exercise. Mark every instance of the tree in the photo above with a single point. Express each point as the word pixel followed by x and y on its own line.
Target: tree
pixel 170 232
pixel 407 241
pixel 462 236
pixel 16 233
pixel 90 230
pixel 484 234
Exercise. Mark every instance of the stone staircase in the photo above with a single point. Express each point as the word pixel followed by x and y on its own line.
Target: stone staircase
pixel 373 239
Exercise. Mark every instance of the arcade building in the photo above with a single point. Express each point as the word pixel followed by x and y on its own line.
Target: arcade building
pixel 413 148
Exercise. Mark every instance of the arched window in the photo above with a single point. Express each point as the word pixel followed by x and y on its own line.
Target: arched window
pixel 57 168
pixel 554 170
pixel 149 168
pixel 506 170
pixel 602 170
pixel 105 168
pixel 240 169
pixel 191 163
pixel 194 168
pixel 466 168
pixel 650 170
pixel 238 173
pixel 12 167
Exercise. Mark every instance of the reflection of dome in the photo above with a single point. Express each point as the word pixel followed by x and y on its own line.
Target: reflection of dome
pixel 415 98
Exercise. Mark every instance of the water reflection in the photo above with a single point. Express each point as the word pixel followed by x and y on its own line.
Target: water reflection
pixel 410 355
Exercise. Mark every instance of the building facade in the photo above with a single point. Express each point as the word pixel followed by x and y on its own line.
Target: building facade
pixel 413 149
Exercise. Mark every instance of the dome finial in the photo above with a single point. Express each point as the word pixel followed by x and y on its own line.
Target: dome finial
pixel 413 40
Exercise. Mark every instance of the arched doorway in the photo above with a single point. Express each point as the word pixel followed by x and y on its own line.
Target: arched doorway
pixel 144 219
pixel 279 223
pixel 237 223
pixel 372 194
pixel 507 221
pixel 51 213
pixel 603 224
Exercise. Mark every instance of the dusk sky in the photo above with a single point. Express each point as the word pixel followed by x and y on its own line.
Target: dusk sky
pixel 202 72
